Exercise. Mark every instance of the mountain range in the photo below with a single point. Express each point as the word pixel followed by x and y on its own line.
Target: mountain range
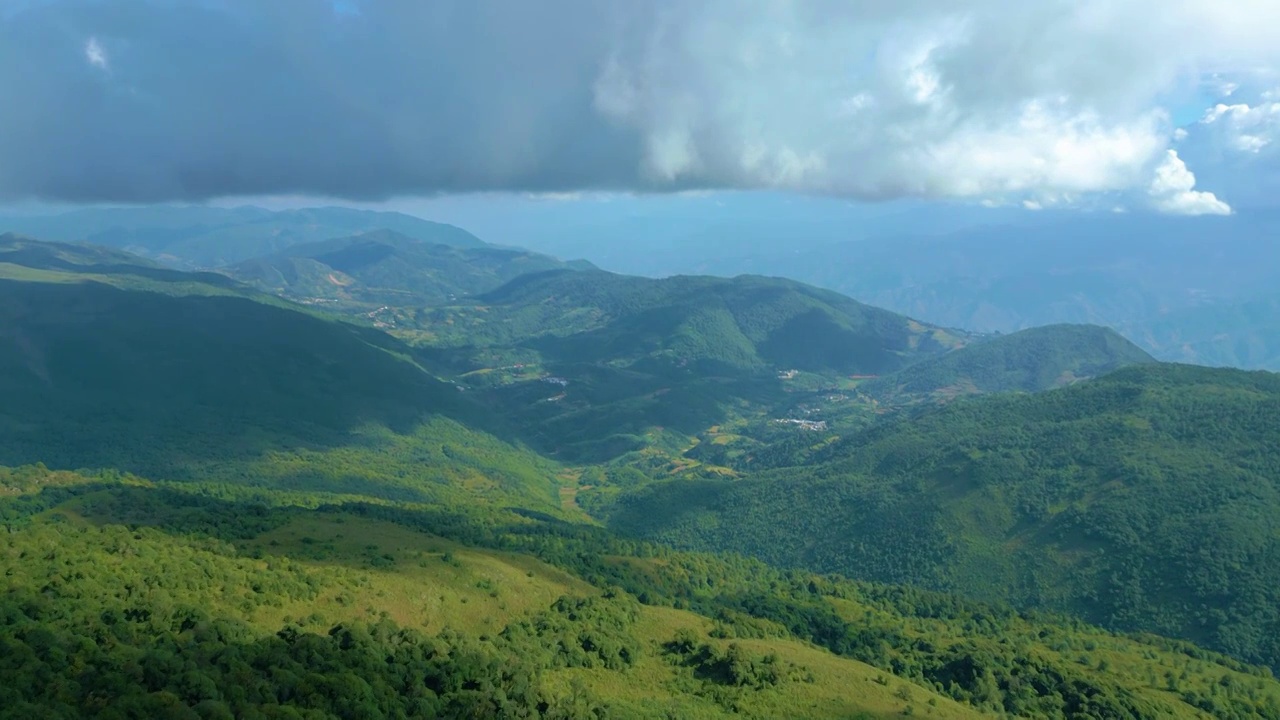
pixel 384 267
pixel 1198 290
pixel 219 502
pixel 192 237
pixel 1171 285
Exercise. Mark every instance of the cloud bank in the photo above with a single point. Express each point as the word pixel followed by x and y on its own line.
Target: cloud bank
pixel 153 100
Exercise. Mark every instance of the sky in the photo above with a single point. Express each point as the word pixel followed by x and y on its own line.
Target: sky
pixel 1168 106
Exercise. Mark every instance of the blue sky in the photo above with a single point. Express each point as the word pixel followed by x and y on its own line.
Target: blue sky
pixel 346 7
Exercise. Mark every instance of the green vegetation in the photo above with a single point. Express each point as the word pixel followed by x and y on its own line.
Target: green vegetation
pixel 706 325
pixel 167 376
pixel 287 515
pixel 1143 500
pixel 1027 361
pixel 381 269
pixel 125 597
pixel 1170 284
pixel 633 365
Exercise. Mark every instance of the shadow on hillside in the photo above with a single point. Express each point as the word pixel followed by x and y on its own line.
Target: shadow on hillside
pixel 43 257
pixel 95 376
pixel 245 518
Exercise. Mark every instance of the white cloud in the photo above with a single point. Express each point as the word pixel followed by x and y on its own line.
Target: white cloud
pixel 555 196
pixel 1245 128
pixel 1045 150
pixel 1173 190
pixel 95 54
pixel 968 100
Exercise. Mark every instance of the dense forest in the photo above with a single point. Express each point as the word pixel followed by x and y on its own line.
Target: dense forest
pixel 1146 499
pixel 128 598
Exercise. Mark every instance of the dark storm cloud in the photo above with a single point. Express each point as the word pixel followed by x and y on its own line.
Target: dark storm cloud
pixel 148 100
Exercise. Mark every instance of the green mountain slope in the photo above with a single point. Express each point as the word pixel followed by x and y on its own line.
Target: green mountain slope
pixel 162 373
pixel 1170 284
pixel 714 324
pixel 1026 361
pixel 206 237
pixel 1145 499
pixel 383 267
pixel 595 365
pixel 129 598
pixel 294 519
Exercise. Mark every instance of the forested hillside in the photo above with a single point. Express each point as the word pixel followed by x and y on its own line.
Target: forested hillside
pixel 595 365
pixel 289 515
pixel 1146 499
pixel 713 325
pixel 126 598
pixel 1026 361
pixel 188 376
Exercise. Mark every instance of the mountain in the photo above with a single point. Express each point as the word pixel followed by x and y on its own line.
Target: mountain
pixel 1169 284
pixel 1030 360
pixel 209 237
pixel 1197 290
pixel 17 249
pixel 1146 499
pixel 287 515
pixel 189 376
pixel 595 366
pixel 713 325
pixel 383 267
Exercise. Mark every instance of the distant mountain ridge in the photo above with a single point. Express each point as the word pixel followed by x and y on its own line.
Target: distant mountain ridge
pixel 388 267
pixel 209 237
pixel 1186 289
